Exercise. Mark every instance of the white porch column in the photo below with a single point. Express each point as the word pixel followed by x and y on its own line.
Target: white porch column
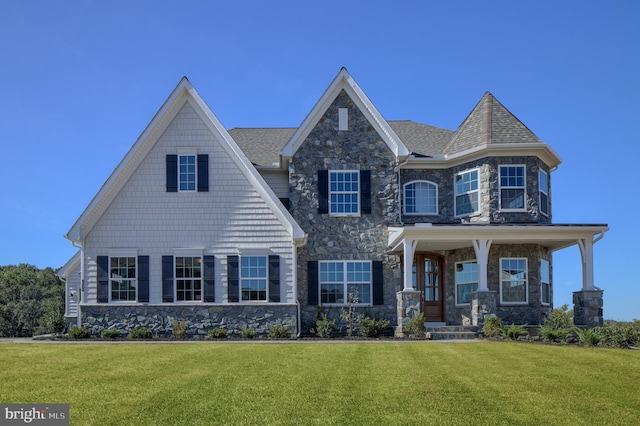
pixel 481 247
pixel 586 251
pixel 409 246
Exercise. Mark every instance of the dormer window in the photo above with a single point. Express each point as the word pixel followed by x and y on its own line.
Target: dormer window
pixel 421 197
pixel 466 190
pixel 512 187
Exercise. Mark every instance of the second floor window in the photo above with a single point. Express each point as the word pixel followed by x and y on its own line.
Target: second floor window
pixel 344 192
pixel 543 180
pixel 466 193
pixel 512 187
pixel 187 172
pixel 420 197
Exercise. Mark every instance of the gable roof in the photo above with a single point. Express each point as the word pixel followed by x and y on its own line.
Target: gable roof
pixel 344 81
pixel 261 145
pixel 182 94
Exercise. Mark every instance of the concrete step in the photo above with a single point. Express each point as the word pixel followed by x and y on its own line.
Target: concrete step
pixel 452 332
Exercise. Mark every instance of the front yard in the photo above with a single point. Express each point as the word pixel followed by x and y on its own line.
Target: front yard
pixel 480 383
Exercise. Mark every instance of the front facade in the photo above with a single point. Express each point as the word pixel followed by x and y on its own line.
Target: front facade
pixel 251 228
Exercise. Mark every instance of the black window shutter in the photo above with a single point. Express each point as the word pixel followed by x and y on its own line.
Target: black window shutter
pixel 312 282
pixel 233 279
pixel 378 282
pixel 323 191
pixel 365 191
pixel 172 173
pixel 274 278
pixel 143 279
pixel 103 279
pixel 203 172
pixel 167 279
pixel 209 281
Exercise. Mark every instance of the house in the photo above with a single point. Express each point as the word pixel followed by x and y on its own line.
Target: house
pixel 249 228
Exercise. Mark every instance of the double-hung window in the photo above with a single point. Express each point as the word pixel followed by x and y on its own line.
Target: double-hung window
pixel 421 197
pixel 466 193
pixel 513 280
pixel 253 278
pixel 344 192
pixel 345 282
pixel 466 281
pixel 512 187
pixel 545 282
pixel 188 276
pixel 543 182
pixel 122 279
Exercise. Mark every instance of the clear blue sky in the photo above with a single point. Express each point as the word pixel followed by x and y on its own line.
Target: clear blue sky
pixel 81 80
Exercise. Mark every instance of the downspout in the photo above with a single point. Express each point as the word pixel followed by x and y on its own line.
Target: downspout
pixel 295 284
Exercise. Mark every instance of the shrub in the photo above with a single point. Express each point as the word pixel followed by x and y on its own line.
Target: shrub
pixel 589 336
pixel 110 333
pixel 370 327
pixel 514 331
pixel 325 327
pixel 247 333
pixel 218 333
pixel 140 333
pixel 560 317
pixel 415 326
pixel 555 335
pixel 620 336
pixel 179 329
pixel 79 333
pixel 278 332
pixel 493 326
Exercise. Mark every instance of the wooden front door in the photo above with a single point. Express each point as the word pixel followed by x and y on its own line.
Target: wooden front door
pixel 427 279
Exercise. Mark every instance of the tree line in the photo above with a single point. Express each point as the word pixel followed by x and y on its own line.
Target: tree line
pixel 31 301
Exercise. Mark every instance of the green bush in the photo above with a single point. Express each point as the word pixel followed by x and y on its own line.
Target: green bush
pixel 325 327
pixel 179 329
pixel 493 326
pixel 514 331
pixel 589 336
pixel 79 333
pixel 110 333
pixel 558 325
pixel 620 336
pixel 247 333
pixel 278 332
pixel 415 326
pixel 140 333
pixel 555 335
pixel 370 327
pixel 218 333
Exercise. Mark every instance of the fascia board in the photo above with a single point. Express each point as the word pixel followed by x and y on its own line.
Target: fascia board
pixel 70 266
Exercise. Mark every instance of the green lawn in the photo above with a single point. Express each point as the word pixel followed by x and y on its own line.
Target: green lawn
pixel 486 383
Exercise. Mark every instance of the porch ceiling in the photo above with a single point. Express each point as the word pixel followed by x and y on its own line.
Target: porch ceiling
pixel 435 237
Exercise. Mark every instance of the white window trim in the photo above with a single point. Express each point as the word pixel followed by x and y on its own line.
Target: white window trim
pixel 253 254
pixel 543 282
pixel 526 282
pixel 456 195
pixel 524 188
pixel 546 192
pixel 123 253
pixel 467 282
pixel 345 283
pixel 404 193
pixel 350 214
pixel 188 253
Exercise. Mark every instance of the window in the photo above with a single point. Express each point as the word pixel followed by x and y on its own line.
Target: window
pixel 466 281
pixel 543 182
pixel 253 278
pixel 466 193
pixel 420 197
pixel 122 279
pixel 187 172
pixel 513 280
pixel 545 282
pixel 343 118
pixel 512 187
pixel 341 280
pixel 188 278
pixel 344 192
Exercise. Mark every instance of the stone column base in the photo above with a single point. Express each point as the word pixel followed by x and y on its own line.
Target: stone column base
pixel 483 303
pixel 408 306
pixel 587 308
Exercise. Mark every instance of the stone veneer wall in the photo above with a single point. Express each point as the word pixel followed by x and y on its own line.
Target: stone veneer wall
pixel 533 312
pixel 361 237
pixel 199 318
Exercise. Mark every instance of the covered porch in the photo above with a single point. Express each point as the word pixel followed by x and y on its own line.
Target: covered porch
pixel 411 241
